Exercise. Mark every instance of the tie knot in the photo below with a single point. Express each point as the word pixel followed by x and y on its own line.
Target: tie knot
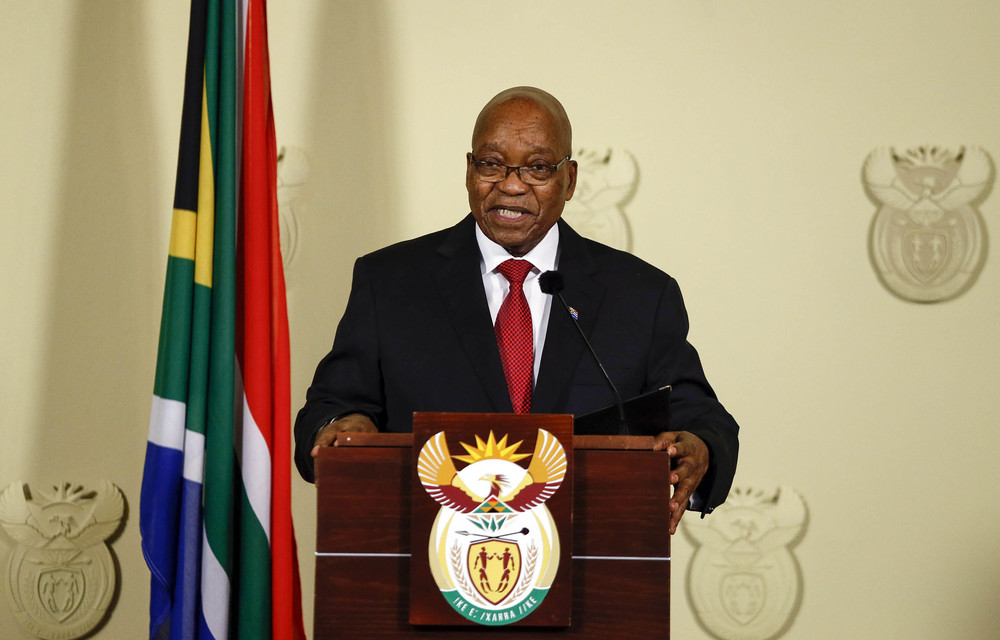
pixel 515 271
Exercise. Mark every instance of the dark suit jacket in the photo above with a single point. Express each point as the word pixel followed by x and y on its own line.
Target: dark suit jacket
pixel 417 336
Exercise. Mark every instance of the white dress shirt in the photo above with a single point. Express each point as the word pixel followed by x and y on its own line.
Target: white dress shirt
pixel 544 257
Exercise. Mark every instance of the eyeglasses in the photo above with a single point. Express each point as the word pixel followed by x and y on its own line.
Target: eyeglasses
pixel 530 174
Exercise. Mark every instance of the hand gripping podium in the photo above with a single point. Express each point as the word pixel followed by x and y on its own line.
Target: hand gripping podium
pixel 614 583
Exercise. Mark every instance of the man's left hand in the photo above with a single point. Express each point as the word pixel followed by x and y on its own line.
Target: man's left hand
pixel 688 464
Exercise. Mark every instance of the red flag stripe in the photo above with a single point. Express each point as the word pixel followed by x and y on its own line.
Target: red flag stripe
pixel 267 368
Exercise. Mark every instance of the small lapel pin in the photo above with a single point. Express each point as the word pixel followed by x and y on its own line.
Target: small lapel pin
pixel 573 312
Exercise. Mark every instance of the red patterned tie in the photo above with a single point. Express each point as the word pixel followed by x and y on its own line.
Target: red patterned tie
pixel 515 336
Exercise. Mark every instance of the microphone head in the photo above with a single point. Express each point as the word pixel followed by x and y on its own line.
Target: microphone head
pixel 551 282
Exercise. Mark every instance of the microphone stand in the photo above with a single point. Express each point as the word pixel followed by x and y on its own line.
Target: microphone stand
pixel 551 282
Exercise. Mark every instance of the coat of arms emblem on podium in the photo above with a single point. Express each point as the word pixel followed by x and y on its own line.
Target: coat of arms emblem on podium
pixel 493 548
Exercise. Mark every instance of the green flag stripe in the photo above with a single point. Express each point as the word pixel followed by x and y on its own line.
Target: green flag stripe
pixel 221 473
pixel 254 616
pixel 175 331
pixel 201 314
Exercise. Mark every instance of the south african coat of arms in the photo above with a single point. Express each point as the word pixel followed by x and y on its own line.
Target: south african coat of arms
pixel 927 240
pixel 61 575
pixel 494 547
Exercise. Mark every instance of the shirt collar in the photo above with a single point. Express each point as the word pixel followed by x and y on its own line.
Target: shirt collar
pixel 542 256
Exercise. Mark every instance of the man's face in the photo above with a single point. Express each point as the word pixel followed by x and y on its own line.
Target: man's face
pixel 513 214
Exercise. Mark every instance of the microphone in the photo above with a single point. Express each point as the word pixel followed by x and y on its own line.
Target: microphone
pixel 551 283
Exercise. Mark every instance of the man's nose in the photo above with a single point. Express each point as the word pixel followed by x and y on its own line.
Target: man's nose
pixel 513 184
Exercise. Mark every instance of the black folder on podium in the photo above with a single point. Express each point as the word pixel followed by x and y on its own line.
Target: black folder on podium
pixel 647 414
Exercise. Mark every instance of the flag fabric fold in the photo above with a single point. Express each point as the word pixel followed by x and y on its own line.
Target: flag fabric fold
pixel 215 510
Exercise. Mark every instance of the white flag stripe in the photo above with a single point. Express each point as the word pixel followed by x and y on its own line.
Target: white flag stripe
pixel 255 467
pixel 166 423
pixel 194 456
pixel 214 591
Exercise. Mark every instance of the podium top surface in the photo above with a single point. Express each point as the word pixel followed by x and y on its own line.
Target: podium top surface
pixel 404 440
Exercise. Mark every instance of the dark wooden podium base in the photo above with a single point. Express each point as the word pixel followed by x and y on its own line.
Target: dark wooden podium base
pixel 621 555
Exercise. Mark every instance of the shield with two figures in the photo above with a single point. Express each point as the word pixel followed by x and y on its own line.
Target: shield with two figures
pixel 494 567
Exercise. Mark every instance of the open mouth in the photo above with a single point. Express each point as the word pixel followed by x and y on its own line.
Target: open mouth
pixel 510 213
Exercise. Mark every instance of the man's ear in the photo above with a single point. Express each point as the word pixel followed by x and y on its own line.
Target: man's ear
pixel 468 171
pixel 572 179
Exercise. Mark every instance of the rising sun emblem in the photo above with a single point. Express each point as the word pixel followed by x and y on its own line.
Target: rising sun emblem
pixel 494 548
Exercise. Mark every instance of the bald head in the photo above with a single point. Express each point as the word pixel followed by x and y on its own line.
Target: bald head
pixel 529 95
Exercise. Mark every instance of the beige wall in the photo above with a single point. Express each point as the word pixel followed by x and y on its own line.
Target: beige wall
pixel 749 122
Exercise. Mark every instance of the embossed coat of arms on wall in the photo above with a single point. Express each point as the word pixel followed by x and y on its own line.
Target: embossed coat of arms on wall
pixel 743 581
pixel 60 575
pixel 606 182
pixel 927 240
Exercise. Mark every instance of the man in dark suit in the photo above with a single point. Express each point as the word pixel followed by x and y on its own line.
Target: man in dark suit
pixel 425 317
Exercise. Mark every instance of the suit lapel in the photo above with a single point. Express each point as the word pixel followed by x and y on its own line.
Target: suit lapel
pixel 563 345
pixel 461 287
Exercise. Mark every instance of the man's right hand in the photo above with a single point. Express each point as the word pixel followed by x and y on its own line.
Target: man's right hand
pixel 352 422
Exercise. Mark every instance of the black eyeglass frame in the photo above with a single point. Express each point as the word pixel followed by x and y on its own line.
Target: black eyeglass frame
pixel 554 168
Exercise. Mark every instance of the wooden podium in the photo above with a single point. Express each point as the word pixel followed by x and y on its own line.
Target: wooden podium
pixel 621 544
